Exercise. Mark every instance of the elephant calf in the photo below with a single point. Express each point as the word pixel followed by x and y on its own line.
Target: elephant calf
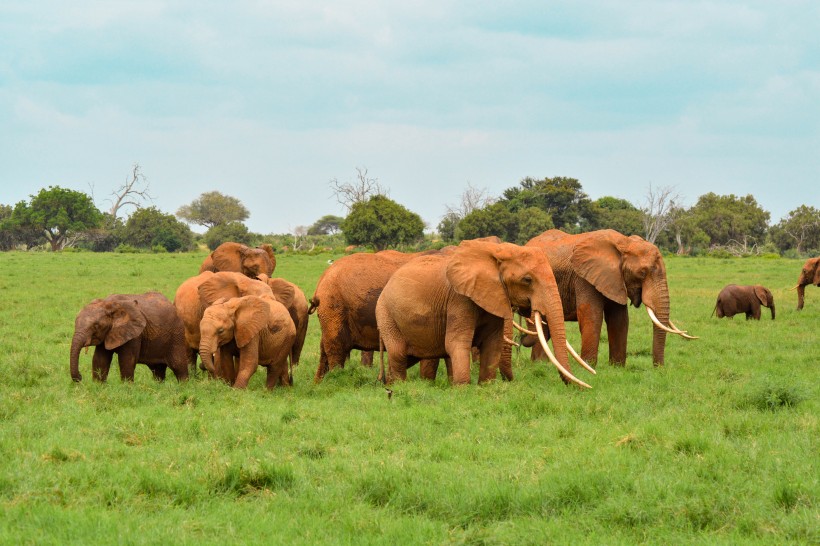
pixel 734 299
pixel 138 328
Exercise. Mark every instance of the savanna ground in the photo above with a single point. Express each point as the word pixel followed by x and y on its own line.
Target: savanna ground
pixel 719 446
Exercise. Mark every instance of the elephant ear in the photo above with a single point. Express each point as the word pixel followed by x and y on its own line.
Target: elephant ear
pixel 252 315
pixel 816 271
pixel 473 272
pixel 283 291
pixel 216 287
pixel 127 322
pixel 598 261
pixel 762 295
pixel 227 256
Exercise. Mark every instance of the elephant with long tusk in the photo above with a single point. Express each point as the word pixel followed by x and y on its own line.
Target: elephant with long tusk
pixel 599 273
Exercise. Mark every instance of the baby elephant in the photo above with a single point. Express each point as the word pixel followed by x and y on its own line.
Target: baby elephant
pixel 139 328
pixel 734 299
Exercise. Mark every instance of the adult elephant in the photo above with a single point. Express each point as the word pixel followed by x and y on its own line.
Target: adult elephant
pixel 256 330
pixel 735 299
pixel 190 303
pixel 292 297
pixel 440 306
pixel 240 258
pixel 809 275
pixel 345 301
pixel 599 273
pixel 138 328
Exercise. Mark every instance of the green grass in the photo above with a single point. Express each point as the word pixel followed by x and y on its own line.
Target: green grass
pixel 722 445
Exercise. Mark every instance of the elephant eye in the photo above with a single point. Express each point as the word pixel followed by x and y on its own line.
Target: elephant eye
pixel 526 279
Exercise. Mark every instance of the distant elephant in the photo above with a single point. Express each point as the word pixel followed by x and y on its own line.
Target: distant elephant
pixel 345 301
pixel 809 275
pixel 734 299
pixel 138 328
pixel 257 330
pixel 241 259
pixel 598 274
pixel 191 305
pixel 441 305
pixel 292 297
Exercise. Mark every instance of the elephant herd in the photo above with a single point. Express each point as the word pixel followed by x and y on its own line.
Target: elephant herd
pixel 459 304
pixel 734 299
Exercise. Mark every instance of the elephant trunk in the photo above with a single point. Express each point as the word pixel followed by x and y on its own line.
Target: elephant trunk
pixel 79 341
pixel 661 308
pixel 801 290
pixel 771 305
pixel 206 354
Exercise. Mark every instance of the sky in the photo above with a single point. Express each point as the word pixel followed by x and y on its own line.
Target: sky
pixel 268 101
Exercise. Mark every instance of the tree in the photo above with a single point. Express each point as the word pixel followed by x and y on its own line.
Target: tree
pixel 618 214
pixel 350 193
pixel 531 221
pixel 236 232
pixel 800 230
pixel 132 192
pixel 213 209
pixel 657 209
pixel 729 219
pixel 326 225
pixel 562 197
pixel 381 222
pixel 471 199
pixel 150 228
pixel 62 215
pixel 497 219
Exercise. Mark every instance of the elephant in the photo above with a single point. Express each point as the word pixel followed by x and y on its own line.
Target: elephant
pixel 442 305
pixel 809 275
pixel 138 328
pixel 599 273
pixel 257 330
pixel 292 297
pixel 191 305
pixel 734 299
pixel 345 301
pixel 241 258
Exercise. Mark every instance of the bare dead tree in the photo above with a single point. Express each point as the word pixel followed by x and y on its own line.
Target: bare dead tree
pixel 350 193
pixel 472 199
pixel 133 192
pixel 657 210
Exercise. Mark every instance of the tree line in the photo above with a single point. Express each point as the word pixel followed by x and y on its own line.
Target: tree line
pixel 57 218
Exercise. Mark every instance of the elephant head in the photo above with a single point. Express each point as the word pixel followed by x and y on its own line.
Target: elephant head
pixel 229 284
pixel 111 322
pixel 237 257
pixel 502 278
pixel 283 291
pixel 764 295
pixel 629 270
pixel 809 275
pixel 239 319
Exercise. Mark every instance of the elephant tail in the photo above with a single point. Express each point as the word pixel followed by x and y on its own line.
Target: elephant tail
pixel 382 375
pixel 715 308
pixel 314 303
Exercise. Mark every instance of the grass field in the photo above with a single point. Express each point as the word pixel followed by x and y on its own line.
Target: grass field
pixel 722 445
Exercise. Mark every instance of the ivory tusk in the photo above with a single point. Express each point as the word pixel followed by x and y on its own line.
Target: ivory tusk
pixel 522 329
pixel 511 342
pixel 683 333
pixel 580 360
pixel 795 287
pixel 551 356
pixel 658 323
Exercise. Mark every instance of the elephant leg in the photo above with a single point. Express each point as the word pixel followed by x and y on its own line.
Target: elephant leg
pixel 449 365
pixel 590 319
pixel 127 357
pixel 617 328
pixel 428 369
pixel 367 359
pixel 158 371
pixel 490 356
pixel 248 362
pixel 101 363
pixel 397 365
pixel 458 349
